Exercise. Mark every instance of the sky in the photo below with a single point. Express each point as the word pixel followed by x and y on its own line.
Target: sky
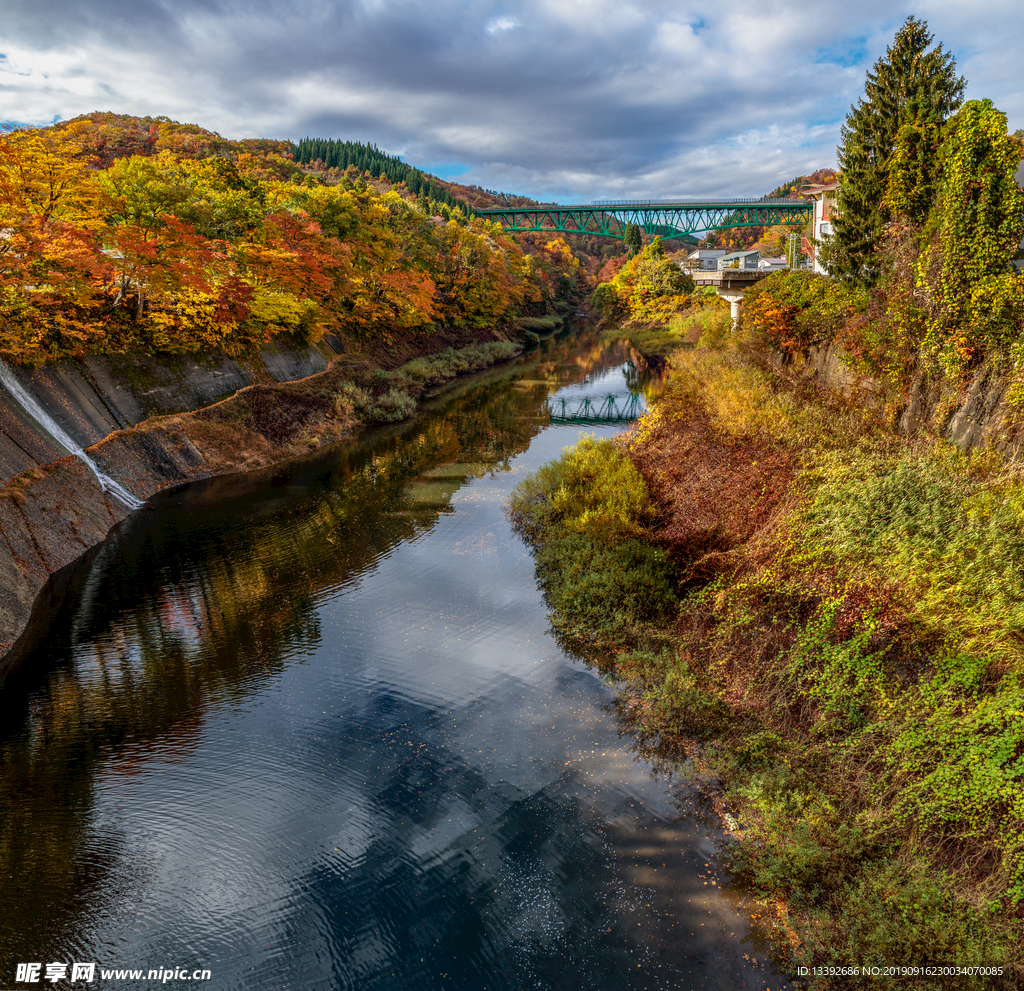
pixel 569 100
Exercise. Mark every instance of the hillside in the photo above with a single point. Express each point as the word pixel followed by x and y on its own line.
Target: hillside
pixel 146 234
pixel 744 238
pixel 106 137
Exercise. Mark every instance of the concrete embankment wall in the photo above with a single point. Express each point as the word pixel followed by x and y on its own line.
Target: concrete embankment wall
pixel 55 509
pixel 97 395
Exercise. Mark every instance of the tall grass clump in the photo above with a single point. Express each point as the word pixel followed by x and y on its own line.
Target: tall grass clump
pixel 397 391
pixel 588 515
pixel 541 325
pixel 708 326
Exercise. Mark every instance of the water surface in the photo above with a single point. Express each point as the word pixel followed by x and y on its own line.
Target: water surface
pixel 309 729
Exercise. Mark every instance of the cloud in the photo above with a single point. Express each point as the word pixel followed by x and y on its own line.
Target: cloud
pixel 501 24
pixel 570 99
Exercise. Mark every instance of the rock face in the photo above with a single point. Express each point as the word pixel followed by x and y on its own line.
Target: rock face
pixel 52 507
pixel 979 416
pixel 45 525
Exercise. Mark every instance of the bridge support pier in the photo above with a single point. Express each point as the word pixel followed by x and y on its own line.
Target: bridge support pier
pixel 735 297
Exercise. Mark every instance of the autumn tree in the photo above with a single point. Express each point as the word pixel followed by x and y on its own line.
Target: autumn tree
pixel 51 265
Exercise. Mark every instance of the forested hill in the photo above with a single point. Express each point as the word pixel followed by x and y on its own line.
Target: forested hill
pixel 336 154
pixel 125 234
pixel 369 158
pixel 105 137
pixel 796 186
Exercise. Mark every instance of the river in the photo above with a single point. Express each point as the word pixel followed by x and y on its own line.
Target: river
pixel 309 729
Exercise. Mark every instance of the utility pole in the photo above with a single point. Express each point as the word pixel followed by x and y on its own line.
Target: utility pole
pixel 793 250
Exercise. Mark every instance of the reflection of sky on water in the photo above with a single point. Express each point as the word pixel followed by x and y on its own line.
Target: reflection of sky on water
pixel 425 792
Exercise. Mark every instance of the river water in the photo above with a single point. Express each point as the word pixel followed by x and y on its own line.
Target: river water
pixel 309 729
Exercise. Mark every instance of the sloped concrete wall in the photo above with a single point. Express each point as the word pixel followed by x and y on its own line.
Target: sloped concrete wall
pixel 62 512
pixel 100 394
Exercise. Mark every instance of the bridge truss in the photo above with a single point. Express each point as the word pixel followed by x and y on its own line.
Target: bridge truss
pixel 668 218
pixel 594 411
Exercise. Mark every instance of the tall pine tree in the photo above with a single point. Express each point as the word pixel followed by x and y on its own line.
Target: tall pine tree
pixel 633 239
pixel 911 86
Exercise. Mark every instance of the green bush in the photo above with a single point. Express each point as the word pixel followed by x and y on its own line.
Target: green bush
pixel 586 515
pixel 602 591
pixel 929 524
pixel 390 407
pixel 592 489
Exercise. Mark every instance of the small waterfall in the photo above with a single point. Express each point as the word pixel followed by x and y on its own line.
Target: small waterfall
pixel 47 422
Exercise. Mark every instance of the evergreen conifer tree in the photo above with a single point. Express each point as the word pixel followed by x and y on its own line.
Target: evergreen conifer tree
pixel 910 86
pixel 633 239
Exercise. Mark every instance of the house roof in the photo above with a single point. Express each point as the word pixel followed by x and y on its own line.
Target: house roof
pixel 815 190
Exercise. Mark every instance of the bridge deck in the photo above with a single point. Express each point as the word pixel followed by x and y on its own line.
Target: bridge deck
pixel 738 276
pixel 665 217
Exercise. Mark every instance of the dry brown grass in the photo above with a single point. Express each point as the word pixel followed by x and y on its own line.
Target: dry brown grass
pixel 715 492
pixel 16 488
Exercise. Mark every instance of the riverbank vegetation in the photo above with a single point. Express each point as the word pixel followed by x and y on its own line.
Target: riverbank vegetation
pixel 831 623
pixel 833 611
pixel 126 235
pixel 657 304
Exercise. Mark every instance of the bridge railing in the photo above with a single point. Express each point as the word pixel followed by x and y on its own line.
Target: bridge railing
pixel 631 204
pixel 787 201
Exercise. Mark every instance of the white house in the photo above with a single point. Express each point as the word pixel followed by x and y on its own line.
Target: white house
pixel 739 259
pixel 703 260
pixel 824 199
pixel 772 264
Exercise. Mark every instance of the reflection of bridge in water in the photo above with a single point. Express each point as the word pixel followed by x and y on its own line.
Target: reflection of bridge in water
pixel 595 411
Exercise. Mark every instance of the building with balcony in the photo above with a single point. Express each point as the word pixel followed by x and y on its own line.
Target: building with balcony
pixel 824 198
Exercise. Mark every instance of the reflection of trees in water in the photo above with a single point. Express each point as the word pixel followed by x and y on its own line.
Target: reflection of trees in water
pixel 646 374
pixel 200 599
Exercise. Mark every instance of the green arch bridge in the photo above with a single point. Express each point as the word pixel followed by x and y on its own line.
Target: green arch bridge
pixel 669 218
pixel 594 411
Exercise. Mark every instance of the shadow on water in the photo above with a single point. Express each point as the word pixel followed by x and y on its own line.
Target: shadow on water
pixel 308 728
